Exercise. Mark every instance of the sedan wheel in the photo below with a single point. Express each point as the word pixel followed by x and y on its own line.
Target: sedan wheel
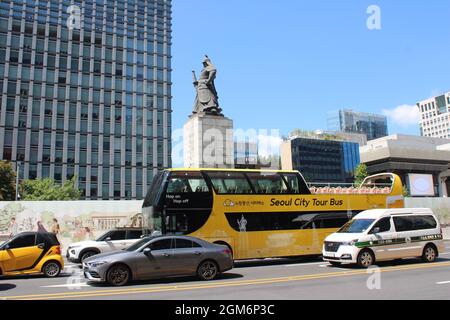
pixel 118 275
pixel 51 269
pixel 207 270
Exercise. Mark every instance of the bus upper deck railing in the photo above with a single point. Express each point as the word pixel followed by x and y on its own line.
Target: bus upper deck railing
pixel 347 188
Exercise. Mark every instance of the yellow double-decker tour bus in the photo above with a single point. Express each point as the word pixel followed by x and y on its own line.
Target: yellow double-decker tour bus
pixel 260 213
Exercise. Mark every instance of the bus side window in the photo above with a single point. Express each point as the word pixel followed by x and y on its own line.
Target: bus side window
pixel 229 182
pixel 267 183
pixel 176 185
pixel 296 184
pixel 187 182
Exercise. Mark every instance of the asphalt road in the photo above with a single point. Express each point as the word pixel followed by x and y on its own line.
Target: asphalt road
pixel 277 279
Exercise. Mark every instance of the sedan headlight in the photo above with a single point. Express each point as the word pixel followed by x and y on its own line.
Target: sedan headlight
pixel 96 264
pixel 350 243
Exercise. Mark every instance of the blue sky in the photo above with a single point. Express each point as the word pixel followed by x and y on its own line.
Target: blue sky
pixel 285 64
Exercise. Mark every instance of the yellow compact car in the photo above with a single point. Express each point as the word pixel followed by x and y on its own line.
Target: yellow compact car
pixel 31 252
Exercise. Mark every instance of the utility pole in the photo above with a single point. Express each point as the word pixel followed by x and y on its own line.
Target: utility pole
pixel 17 179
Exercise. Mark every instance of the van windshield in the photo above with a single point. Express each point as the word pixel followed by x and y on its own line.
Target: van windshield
pixel 356 226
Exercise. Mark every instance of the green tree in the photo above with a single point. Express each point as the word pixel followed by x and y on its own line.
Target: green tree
pixel 7 181
pixel 48 190
pixel 360 174
pixel 406 191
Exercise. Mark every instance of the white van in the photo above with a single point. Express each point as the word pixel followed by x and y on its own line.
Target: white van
pixel 386 234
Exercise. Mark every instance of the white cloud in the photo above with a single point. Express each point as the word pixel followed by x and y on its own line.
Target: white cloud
pixel 269 145
pixel 404 115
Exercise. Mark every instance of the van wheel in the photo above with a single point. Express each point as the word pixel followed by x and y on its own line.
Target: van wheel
pixel 118 275
pixel 365 259
pixel 429 253
pixel 207 270
pixel 51 269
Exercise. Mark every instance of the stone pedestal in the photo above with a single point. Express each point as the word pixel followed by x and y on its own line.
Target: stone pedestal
pixel 208 142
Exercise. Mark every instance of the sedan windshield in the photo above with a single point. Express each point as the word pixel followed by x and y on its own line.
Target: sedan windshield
pixel 103 236
pixel 139 244
pixel 356 226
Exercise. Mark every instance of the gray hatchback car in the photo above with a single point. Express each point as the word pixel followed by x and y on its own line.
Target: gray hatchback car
pixel 159 257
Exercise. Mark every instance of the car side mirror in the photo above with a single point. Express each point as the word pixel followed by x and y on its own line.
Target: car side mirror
pixel 376 230
pixel 6 247
pixel 147 251
pixel 108 239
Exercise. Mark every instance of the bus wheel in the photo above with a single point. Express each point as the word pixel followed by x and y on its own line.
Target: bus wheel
pixel 365 259
pixel 429 253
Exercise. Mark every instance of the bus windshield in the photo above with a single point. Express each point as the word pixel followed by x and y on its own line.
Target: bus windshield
pixel 356 226
pixel 154 191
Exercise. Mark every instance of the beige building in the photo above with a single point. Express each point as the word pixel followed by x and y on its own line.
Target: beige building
pixel 435 116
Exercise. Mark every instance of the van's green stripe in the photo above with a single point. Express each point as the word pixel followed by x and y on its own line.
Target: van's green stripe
pixel 391 242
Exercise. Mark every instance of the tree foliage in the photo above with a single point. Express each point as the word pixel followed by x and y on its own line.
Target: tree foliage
pixel 48 190
pixel 360 174
pixel 7 181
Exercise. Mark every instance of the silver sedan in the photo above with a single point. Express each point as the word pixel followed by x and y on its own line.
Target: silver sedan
pixel 159 257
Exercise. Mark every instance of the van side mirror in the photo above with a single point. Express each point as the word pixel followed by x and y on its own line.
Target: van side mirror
pixel 147 251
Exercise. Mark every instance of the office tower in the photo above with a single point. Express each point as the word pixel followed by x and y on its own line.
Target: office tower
pixel 86 92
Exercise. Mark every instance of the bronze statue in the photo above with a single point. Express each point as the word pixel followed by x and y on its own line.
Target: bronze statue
pixel 207 100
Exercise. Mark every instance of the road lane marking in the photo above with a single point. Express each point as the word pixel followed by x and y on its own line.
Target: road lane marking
pixel 69 285
pixel 443 282
pixel 234 283
pixel 301 264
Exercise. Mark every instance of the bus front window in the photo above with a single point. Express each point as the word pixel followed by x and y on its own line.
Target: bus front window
pixel 151 209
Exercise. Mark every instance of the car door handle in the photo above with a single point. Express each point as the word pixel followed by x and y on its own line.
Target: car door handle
pixel 166 255
pixel 198 253
pixel 41 246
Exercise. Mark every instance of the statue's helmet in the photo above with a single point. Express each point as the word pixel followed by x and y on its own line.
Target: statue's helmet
pixel 206 60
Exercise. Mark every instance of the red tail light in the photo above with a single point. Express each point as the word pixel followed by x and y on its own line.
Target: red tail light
pixel 58 250
pixel 227 251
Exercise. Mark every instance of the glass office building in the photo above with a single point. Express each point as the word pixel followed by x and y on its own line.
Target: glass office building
pixel 373 125
pixel 322 161
pixel 93 101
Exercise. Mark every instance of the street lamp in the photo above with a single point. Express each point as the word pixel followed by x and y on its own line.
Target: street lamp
pixel 17 179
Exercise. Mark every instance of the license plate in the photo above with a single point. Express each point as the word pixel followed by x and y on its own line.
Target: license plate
pixel 331 254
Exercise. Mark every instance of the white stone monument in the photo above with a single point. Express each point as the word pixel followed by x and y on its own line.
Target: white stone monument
pixel 208 142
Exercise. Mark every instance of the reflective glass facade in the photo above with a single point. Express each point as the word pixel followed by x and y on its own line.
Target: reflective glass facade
pixel 325 161
pixel 373 125
pixel 93 102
